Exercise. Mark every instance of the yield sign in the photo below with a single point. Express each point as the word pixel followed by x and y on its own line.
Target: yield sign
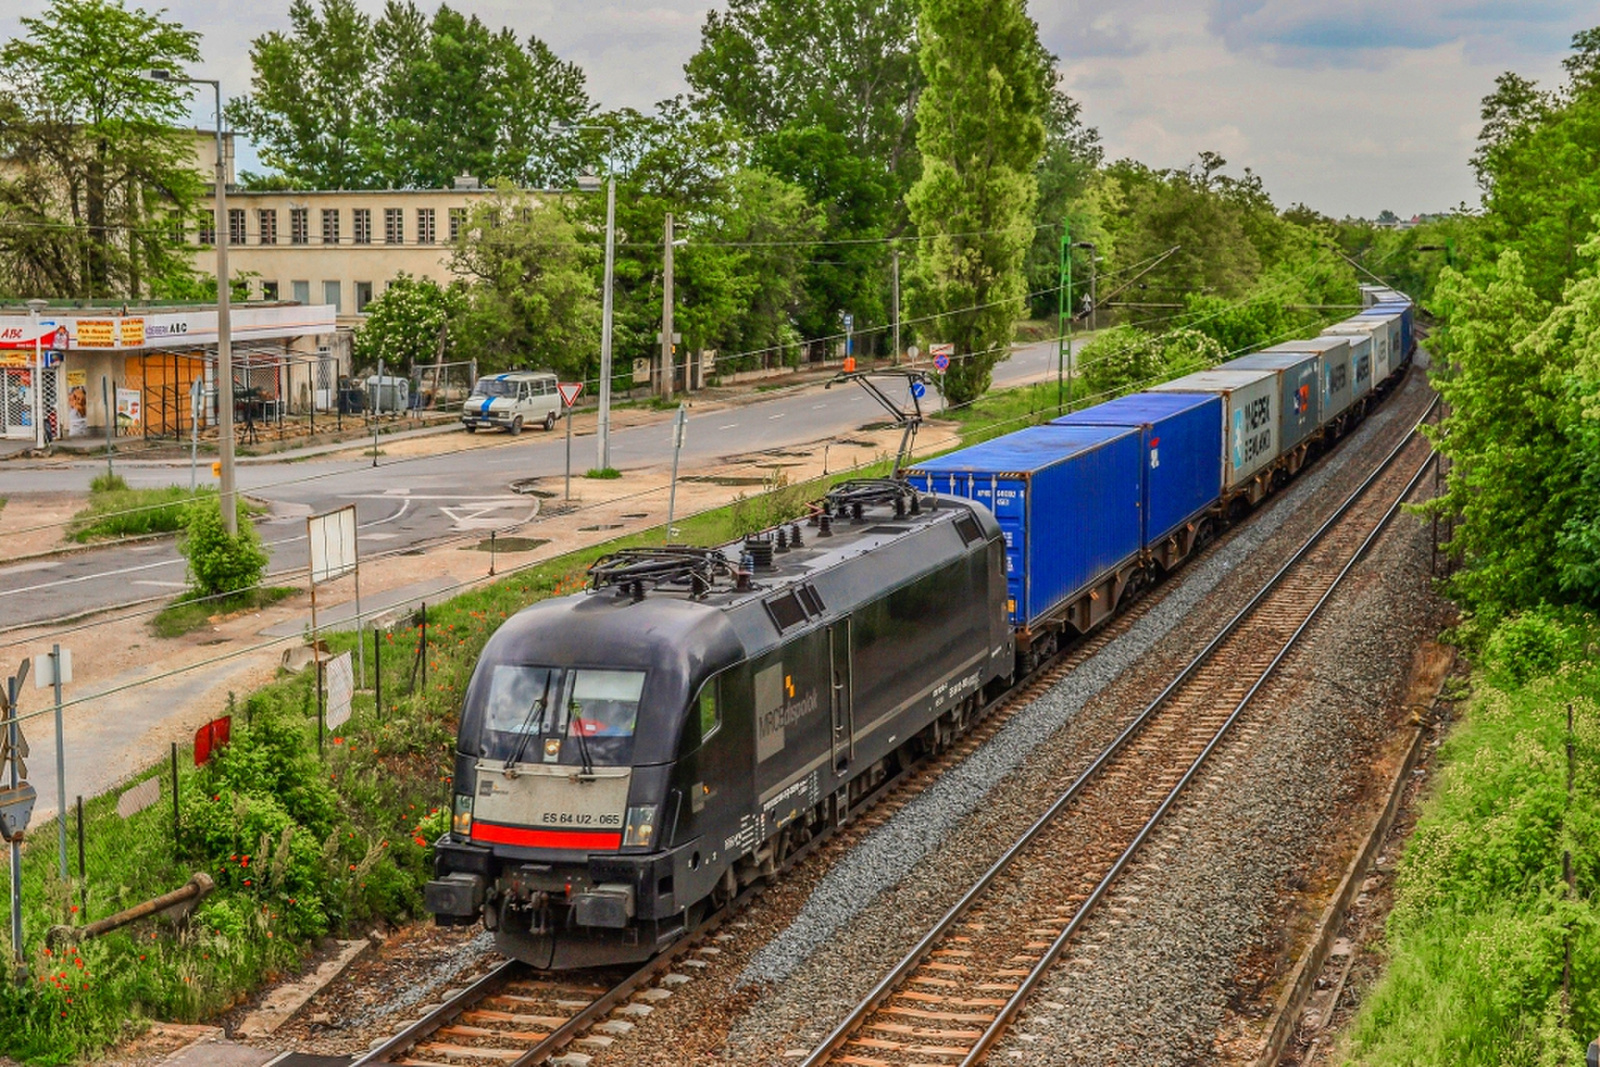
pixel 570 391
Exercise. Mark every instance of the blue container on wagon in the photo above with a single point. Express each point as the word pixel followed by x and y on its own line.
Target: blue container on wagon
pixel 1068 499
pixel 1181 435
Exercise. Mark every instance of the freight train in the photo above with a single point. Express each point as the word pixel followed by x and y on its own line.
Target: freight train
pixel 631 756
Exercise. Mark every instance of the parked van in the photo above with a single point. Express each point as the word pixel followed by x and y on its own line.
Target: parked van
pixel 513 400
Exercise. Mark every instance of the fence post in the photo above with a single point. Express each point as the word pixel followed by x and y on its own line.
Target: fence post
pixel 83 875
pixel 319 703
pixel 377 673
pixel 424 648
pixel 176 827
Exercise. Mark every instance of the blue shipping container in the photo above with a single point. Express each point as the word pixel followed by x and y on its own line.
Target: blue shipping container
pixel 1181 434
pixel 1407 313
pixel 1067 499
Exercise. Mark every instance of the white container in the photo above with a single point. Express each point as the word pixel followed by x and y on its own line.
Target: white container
pixel 1385 333
pixel 1250 415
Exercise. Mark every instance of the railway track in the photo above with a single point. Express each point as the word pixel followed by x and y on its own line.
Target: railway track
pixel 514 1015
pixel 954 993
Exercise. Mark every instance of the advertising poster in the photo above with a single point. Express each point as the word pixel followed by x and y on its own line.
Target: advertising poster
pixel 77 403
pixel 129 413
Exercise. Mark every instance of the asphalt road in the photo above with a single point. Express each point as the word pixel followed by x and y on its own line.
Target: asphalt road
pixel 412 501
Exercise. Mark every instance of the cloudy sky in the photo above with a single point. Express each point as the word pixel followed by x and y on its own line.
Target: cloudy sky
pixel 1350 106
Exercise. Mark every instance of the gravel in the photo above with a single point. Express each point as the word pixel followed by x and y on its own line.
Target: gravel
pixel 1209 912
pixel 887 856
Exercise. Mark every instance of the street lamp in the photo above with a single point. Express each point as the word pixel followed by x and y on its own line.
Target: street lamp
pixel 230 516
pixel 34 308
pixel 589 182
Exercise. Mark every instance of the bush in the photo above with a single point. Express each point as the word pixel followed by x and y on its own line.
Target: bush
pixel 116 511
pixel 1526 646
pixel 218 563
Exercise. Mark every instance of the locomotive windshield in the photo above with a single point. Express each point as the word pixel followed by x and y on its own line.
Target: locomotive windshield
pixel 580 716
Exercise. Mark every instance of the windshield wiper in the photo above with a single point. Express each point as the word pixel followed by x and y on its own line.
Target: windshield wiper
pixel 541 706
pixel 575 723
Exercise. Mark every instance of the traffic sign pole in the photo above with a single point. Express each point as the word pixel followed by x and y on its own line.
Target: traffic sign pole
pixel 569 393
pixel 14 687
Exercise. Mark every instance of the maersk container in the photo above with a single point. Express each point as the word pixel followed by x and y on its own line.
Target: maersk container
pixel 1361 378
pixel 1180 434
pixel 1299 391
pixel 1067 499
pixel 1337 372
pixel 1380 329
pixel 1250 415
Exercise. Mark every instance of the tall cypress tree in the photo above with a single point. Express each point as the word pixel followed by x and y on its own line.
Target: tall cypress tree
pixel 981 132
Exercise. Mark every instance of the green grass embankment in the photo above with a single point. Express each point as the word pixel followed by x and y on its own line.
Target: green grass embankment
pixel 301 843
pixel 1484 917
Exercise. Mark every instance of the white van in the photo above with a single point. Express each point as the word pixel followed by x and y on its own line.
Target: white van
pixel 513 400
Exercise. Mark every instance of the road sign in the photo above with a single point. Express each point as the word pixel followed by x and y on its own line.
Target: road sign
pixel 941 362
pixel 913 352
pixel 16 808
pixel 44 669
pixel 341 687
pixel 918 390
pixel 849 320
pixel 141 796
pixel 21 753
pixel 333 543
pixel 570 391
pixel 948 348
pixel 212 736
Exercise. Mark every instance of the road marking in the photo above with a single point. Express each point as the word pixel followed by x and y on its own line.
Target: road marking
pixel 22 568
pixel 818 407
pixel 380 536
pixel 779 415
pixel 163 585
pixel 730 426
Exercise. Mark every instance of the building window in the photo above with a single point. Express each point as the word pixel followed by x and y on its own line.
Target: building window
pixel 299 226
pixel 394 225
pixel 269 290
pixel 236 225
pixel 458 219
pixel 267 224
pixel 425 231
pixel 363 296
pixel 301 291
pixel 363 225
pixel 330 225
pixel 207 233
pixel 330 295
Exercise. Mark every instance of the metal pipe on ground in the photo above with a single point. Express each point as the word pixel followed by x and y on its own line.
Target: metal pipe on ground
pixel 199 885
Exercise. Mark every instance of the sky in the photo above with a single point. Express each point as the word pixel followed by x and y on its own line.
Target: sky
pixel 1349 106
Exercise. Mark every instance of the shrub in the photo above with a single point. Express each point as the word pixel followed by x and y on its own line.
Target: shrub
pixel 1528 645
pixel 218 563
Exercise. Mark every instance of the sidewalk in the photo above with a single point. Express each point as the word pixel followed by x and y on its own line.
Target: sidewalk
pixel 134 694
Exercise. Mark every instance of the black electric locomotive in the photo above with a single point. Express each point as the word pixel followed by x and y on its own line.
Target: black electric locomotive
pixel 630 756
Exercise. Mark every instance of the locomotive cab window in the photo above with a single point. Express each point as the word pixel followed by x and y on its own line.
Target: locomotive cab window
pixel 704 718
pixel 968 528
pixel 554 715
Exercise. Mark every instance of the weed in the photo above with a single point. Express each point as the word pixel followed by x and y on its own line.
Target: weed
pixel 189 613
pixel 604 473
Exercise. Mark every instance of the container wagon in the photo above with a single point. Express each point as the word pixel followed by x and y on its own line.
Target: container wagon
pixel 1342 365
pixel 1299 401
pixel 1067 499
pixel 1181 471
pixel 1249 445
pixel 1383 332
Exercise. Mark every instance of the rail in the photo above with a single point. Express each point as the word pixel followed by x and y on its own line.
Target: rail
pixel 887 986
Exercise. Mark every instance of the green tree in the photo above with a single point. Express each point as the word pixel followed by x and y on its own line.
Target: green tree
pixel 309 91
pixel 981 132
pixel 408 324
pixel 218 563
pixel 452 96
pixel 1125 359
pixel 98 181
pixel 530 298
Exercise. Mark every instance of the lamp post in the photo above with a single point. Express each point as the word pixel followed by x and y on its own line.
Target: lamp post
pixel 1093 271
pixel 34 308
pixel 603 427
pixel 228 492
pixel 1063 323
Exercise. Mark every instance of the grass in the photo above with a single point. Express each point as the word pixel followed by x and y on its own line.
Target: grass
pixel 602 473
pixel 116 511
pixel 301 842
pixel 187 614
pixel 1483 915
pixel 1003 411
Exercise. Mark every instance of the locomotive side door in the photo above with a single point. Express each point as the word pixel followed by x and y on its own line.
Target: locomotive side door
pixel 842 689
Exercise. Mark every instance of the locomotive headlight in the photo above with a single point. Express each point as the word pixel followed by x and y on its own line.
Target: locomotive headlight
pixel 640 830
pixel 461 816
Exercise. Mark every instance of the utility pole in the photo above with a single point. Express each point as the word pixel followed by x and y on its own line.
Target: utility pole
pixel 667 368
pixel 603 428
pixel 227 490
pixel 895 361
pixel 37 413
pixel 1063 323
